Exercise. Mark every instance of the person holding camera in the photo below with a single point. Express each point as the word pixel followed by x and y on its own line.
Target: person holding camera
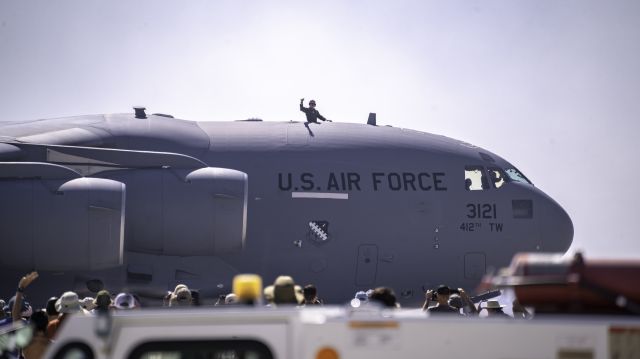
pixel 441 295
pixel 462 301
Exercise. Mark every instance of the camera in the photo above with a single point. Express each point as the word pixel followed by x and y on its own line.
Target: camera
pixel 443 289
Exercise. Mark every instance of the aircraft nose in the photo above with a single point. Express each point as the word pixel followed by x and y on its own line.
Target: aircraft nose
pixel 557 227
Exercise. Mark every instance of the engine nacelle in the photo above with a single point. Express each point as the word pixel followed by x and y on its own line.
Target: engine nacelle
pixel 61 224
pixel 181 212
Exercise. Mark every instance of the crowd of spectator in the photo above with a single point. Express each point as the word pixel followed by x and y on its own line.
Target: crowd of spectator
pixel 247 290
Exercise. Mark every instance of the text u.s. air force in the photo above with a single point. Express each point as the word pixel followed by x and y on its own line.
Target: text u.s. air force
pixel 354 181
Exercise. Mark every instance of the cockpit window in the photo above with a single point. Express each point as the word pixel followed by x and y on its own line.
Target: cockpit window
pixel 475 179
pixel 517 176
pixel 497 176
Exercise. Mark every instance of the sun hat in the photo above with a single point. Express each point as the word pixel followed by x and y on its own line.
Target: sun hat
pixel 285 292
pixel 68 303
pixel 103 299
pixel 125 301
pixel 494 304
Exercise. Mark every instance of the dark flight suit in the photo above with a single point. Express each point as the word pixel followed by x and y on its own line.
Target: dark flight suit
pixel 312 114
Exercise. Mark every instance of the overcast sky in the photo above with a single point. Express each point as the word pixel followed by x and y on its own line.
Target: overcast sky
pixel 552 86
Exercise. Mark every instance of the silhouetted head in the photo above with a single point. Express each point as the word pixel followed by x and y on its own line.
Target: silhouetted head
pixel 310 292
pixel 39 320
pixel 455 301
pixel 103 299
pixel 384 296
pixel 312 103
pixel 25 309
pixel 51 307
pixel 181 297
pixel 442 294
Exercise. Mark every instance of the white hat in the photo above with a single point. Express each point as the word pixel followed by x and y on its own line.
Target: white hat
pixel 181 297
pixel 68 303
pixel 268 293
pixel 88 303
pixel 178 287
pixel 125 301
pixel 494 304
pixel 231 299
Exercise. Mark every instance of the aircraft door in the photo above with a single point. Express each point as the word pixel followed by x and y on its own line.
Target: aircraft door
pixel 367 265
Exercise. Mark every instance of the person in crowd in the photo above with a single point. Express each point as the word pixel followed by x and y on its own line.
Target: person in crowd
pixel 66 305
pixel 248 289
pixel 19 307
pixel 52 313
pixel 87 303
pixel 362 296
pixel 520 312
pixel 181 296
pixel 310 293
pixel 494 310
pixel 231 299
pixel 384 296
pixel 442 295
pixel 462 302
pixel 5 317
pixel 127 301
pixel 102 302
pixel 299 294
pixel 195 297
pixel 221 300
pixel 39 342
pixel 361 299
pixel 267 293
pixel 284 292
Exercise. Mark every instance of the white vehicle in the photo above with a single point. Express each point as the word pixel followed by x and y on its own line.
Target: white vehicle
pixel 334 332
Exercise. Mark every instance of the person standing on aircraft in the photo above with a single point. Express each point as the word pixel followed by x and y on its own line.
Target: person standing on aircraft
pixel 312 114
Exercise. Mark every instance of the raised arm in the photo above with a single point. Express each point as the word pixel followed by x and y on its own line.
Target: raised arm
pixel 16 311
pixel 466 302
pixel 427 299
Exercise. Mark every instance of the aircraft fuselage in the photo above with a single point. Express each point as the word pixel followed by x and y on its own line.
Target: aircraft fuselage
pixel 344 206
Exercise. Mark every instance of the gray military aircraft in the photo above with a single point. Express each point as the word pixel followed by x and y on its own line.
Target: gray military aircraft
pixel 143 202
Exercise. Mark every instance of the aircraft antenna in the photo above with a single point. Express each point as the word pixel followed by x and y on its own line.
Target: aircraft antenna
pixel 140 112
pixel 372 119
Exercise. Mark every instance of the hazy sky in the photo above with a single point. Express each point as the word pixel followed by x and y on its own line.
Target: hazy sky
pixel 552 86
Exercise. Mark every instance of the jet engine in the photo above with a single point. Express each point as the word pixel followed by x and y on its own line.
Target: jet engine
pixel 54 219
pixel 184 212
